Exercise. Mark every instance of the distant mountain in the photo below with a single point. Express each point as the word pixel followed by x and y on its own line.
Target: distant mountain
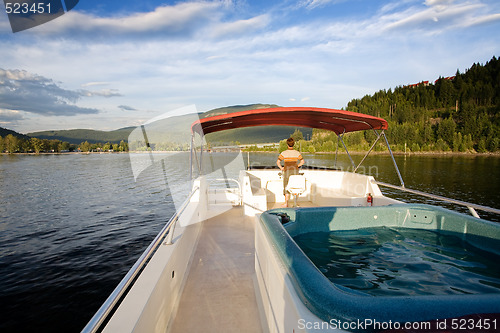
pixel 4 132
pixel 77 136
pixel 250 135
pixel 177 130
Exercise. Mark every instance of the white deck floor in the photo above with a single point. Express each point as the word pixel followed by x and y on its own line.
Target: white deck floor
pixel 273 205
pixel 219 294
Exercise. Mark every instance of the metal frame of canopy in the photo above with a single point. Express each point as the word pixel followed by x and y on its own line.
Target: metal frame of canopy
pixel 338 121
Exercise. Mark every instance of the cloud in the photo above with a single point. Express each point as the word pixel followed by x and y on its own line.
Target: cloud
pixel 127 108
pixel 485 19
pixel 10 117
pixel 436 16
pixel 182 19
pixel 303 99
pixel 102 93
pixel 91 84
pixel 24 91
pixel 207 20
pixel 441 4
pixel 202 19
pixel 312 4
pixel 240 27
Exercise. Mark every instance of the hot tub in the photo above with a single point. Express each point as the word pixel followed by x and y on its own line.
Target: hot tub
pixel 332 301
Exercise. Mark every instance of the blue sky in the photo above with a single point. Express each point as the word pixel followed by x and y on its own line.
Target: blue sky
pixel 110 64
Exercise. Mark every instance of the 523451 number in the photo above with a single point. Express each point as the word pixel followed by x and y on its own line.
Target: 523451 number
pixel 27 8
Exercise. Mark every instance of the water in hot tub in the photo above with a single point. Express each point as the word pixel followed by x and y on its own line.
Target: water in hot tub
pixel 400 261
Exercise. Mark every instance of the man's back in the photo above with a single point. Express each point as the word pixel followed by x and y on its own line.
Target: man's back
pixel 291 157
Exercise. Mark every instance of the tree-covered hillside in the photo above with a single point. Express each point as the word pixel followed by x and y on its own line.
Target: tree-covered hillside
pixel 459 113
pixel 4 132
pixel 13 142
pixel 76 136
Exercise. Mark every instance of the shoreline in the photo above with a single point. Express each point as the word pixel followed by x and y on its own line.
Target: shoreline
pixel 63 153
pixel 398 153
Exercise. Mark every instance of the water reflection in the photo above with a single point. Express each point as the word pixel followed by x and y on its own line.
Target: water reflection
pixel 397 261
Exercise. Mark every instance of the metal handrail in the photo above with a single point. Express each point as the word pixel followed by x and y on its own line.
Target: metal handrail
pixel 469 205
pixel 240 195
pixel 226 180
pixel 101 315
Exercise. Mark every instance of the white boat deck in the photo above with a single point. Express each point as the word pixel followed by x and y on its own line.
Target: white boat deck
pixel 273 205
pixel 206 279
pixel 219 294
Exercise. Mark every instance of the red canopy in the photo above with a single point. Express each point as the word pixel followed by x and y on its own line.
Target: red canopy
pixel 338 121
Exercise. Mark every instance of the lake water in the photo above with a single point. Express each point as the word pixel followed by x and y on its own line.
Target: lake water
pixel 71 226
pixel 401 261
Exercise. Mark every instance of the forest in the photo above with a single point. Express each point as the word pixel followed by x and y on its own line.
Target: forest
pixel 459 113
pixel 453 114
pixel 21 144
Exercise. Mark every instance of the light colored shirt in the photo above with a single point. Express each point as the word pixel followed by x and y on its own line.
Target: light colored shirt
pixel 291 158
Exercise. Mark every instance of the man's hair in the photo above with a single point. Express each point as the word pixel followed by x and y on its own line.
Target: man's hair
pixel 290 142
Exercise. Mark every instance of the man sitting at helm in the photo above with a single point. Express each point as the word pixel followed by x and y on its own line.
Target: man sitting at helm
pixel 293 160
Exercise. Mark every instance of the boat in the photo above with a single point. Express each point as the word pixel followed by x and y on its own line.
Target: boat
pixel 229 259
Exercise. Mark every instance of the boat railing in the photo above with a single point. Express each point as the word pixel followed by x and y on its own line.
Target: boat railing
pixel 471 206
pixel 109 305
pixel 227 187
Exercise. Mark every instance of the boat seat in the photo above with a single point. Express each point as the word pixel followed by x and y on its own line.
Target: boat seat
pixel 296 186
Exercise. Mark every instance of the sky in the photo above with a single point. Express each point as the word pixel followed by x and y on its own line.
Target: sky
pixel 110 64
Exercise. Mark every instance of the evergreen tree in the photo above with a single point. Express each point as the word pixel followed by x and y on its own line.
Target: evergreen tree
pixel 297 135
pixel 468 103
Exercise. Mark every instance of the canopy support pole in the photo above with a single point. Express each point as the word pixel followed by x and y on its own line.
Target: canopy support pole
pixel 347 151
pixel 201 157
pixel 371 148
pixel 191 158
pixel 196 159
pixel 336 152
pixel 393 160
